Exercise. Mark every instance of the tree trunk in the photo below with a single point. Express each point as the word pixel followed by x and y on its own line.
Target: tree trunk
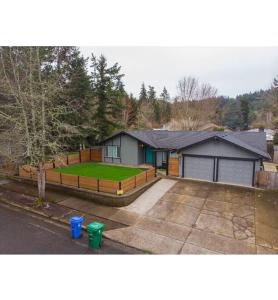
pixel 41 182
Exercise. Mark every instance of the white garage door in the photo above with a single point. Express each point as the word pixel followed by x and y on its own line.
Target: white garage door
pixel 198 168
pixel 235 171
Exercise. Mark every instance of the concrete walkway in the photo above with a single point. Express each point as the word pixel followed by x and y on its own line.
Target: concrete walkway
pixel 198 218
pixel 149 198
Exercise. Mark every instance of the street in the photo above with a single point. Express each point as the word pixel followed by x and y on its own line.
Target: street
pixel 24 233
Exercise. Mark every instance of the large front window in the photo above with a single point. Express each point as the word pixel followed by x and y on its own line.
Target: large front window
pixel 112 151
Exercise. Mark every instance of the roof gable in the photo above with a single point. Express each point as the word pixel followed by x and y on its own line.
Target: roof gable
pixel 254 142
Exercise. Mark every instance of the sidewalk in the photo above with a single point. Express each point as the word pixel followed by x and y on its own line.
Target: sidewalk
pixel 56 211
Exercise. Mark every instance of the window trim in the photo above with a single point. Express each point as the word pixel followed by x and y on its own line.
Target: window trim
pixel 118 151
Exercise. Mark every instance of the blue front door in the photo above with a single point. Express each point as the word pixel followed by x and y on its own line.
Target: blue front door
pixel 149 155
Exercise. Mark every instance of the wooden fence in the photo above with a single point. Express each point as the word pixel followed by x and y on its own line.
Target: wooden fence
pixel 173 166
pixel 267 179
pixel 99 185
pixel 92 154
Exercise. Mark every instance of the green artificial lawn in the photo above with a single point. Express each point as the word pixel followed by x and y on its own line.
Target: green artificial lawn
pixel 101 171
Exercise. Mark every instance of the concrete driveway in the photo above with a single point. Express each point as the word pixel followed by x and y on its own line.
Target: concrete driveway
pixel 198 218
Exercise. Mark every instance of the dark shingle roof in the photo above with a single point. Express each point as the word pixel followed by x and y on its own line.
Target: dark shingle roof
pixel 177 140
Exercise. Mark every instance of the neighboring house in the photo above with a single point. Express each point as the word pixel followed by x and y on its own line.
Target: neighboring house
pixel 269 133
pixel 231 157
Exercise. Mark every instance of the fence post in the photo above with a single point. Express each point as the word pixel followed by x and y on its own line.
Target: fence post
pixel 60 178
pixel 67 160
pixel 78 181
pixel 90 154
pixel 120 185
pixel 98 184
pixel 135 181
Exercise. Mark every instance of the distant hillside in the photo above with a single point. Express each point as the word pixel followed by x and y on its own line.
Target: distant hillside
pixel 247 110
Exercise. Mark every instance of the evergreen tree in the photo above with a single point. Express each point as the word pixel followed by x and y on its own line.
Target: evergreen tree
pixel 165 95
pixel 108 91
pixel 77 94
pixel 151 94
pixel 157 111
pixel 244 108
pixel 143 93
pixel 167 112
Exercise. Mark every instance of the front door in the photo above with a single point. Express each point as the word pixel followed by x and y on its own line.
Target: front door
pixel 149 155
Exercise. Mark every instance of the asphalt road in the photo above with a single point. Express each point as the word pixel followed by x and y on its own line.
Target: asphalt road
pixel 24 233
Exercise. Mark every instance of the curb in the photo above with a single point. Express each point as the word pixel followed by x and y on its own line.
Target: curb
pixel 57 220
pixel 34 211
pixel 42 214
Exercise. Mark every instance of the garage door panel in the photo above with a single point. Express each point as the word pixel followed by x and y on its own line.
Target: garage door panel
pixel 198 168
pixel 235 171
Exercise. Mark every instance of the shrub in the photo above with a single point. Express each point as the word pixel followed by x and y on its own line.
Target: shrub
pixel 218 129
pixel 275 139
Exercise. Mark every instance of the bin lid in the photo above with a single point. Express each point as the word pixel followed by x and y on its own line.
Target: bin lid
pixel 95 226
pixel 76 219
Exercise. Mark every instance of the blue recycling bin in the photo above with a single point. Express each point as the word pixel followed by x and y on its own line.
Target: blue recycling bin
pixel 76 226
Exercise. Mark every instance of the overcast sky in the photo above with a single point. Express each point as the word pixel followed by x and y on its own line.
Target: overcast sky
pixel 233 70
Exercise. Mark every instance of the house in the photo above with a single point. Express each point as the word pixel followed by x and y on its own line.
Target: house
pixel 229 157
pixel 269 133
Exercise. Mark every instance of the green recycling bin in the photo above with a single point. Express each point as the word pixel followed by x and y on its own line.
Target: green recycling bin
pixel 94 232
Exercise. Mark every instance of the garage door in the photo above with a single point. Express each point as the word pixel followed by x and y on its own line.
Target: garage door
pixel 235 171
pixel 198 167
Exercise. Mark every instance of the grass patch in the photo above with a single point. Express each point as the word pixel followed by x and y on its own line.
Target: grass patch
pixel 101 171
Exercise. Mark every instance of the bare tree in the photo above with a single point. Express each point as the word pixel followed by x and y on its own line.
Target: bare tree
pixel 29 113
pixel 187 109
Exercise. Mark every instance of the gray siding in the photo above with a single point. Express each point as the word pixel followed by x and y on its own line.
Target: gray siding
pixel 257 166
pixel 129 150
pixel 180 166
pixel 213 148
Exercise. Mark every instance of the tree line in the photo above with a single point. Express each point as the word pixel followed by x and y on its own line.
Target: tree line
pixel 54 99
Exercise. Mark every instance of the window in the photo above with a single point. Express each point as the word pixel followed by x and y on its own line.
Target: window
pixel 164 154
pixel 112 151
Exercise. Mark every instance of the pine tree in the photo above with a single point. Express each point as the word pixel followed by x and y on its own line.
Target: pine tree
pixel 167 112
pixel 157 111
pixel 143 93
pixel 165 95
pixel 151 94
pixel 108 91
pixel 77 94
pixel 244 107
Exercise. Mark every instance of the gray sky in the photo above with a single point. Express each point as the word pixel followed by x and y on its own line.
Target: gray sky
pixel 232 70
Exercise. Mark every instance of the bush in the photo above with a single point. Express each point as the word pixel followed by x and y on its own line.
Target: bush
pixel 275 139
pixel 218 129
pixel 275 123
